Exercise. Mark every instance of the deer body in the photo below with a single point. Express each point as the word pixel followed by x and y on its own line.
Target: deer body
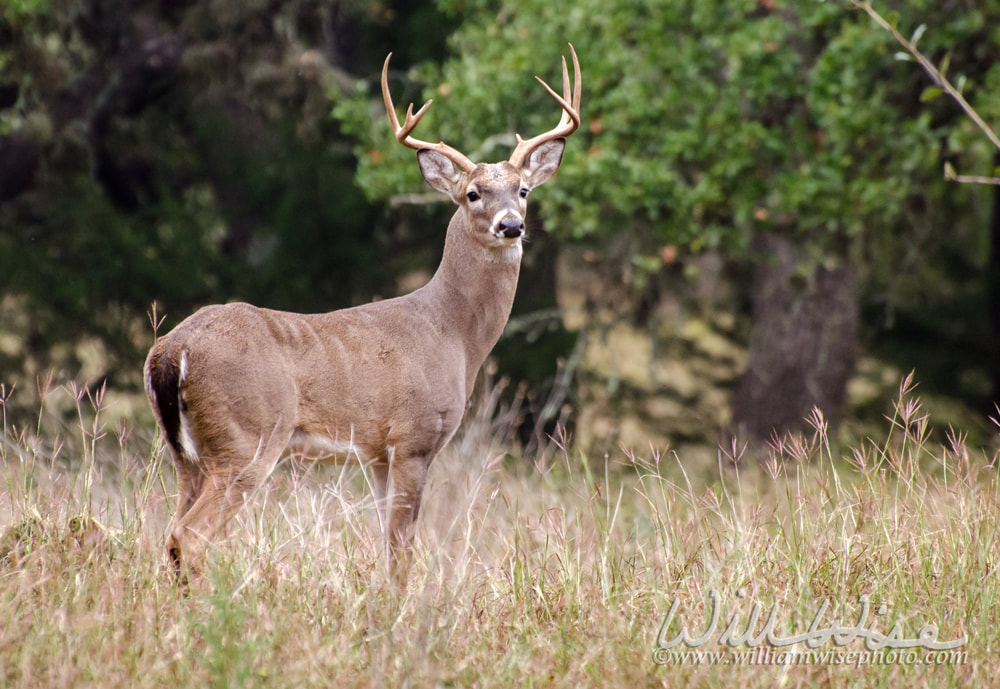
pixel 235 387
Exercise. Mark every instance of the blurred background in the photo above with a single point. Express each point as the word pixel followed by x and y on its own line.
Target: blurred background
pixel 752 220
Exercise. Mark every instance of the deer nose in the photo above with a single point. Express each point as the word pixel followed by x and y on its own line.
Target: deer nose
pixel 511 227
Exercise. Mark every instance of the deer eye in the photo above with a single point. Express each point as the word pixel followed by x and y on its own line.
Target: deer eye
pixel 472 196
pixel 524 192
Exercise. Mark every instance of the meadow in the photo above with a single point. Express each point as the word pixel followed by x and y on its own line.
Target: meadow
pixel 557 570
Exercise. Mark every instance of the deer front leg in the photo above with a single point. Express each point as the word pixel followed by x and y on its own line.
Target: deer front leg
pixel 405 485
pixel 380 491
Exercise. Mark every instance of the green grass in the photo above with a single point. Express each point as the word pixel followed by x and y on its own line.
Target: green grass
pixel 555 571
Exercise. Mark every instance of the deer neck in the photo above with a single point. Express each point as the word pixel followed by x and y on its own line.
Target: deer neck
pixel 473 290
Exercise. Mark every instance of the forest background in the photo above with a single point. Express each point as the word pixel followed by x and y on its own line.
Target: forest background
pixel 752 221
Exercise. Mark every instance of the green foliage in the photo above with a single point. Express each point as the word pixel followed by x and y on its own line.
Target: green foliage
pixel 16 11
pixel 207 170
pixel 703 123
pixel 708 123
pixel 166 247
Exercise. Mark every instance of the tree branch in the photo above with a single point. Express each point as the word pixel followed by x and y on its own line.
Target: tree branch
pixel 952 176
pixel 941 81
pixel 416 199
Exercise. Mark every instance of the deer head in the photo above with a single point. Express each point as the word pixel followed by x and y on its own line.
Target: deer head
pixel 492 196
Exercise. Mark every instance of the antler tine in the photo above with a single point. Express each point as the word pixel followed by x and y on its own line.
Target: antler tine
pixel 566 91
pixel 578 91
pixel 403 132
pixel 569 120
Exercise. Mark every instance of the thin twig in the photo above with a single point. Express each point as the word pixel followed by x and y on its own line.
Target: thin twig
pixel 975 179
pixel 504 139
pixel 941 81
pixel 416 199
pixel 952 176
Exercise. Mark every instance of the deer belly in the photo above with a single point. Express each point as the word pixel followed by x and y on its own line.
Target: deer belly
pixel 315 447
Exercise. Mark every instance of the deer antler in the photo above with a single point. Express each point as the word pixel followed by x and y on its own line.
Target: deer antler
pixel 403 133
pixel 568 122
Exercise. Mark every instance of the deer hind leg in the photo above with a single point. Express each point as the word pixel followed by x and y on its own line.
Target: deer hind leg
pixel 212 492
pixel 189 486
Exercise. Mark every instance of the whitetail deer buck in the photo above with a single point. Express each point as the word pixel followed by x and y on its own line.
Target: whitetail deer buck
pixel 234 387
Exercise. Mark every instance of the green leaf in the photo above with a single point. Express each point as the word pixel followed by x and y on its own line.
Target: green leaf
pixel 930 93
pixel 944 64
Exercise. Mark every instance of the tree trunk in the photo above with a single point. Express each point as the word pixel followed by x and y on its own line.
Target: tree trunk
pixel 19 160
pixel 993 290
pixel 803 341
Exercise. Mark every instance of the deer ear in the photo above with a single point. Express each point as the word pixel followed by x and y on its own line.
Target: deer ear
pixel 544 161
pixel 441 173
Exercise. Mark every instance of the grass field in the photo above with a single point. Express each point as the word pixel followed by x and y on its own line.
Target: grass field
pixel 535 572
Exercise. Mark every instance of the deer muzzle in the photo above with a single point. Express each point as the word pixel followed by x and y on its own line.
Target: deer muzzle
pixel 511 228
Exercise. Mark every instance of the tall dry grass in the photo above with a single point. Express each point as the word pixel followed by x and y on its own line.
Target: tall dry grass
pixel 546 571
